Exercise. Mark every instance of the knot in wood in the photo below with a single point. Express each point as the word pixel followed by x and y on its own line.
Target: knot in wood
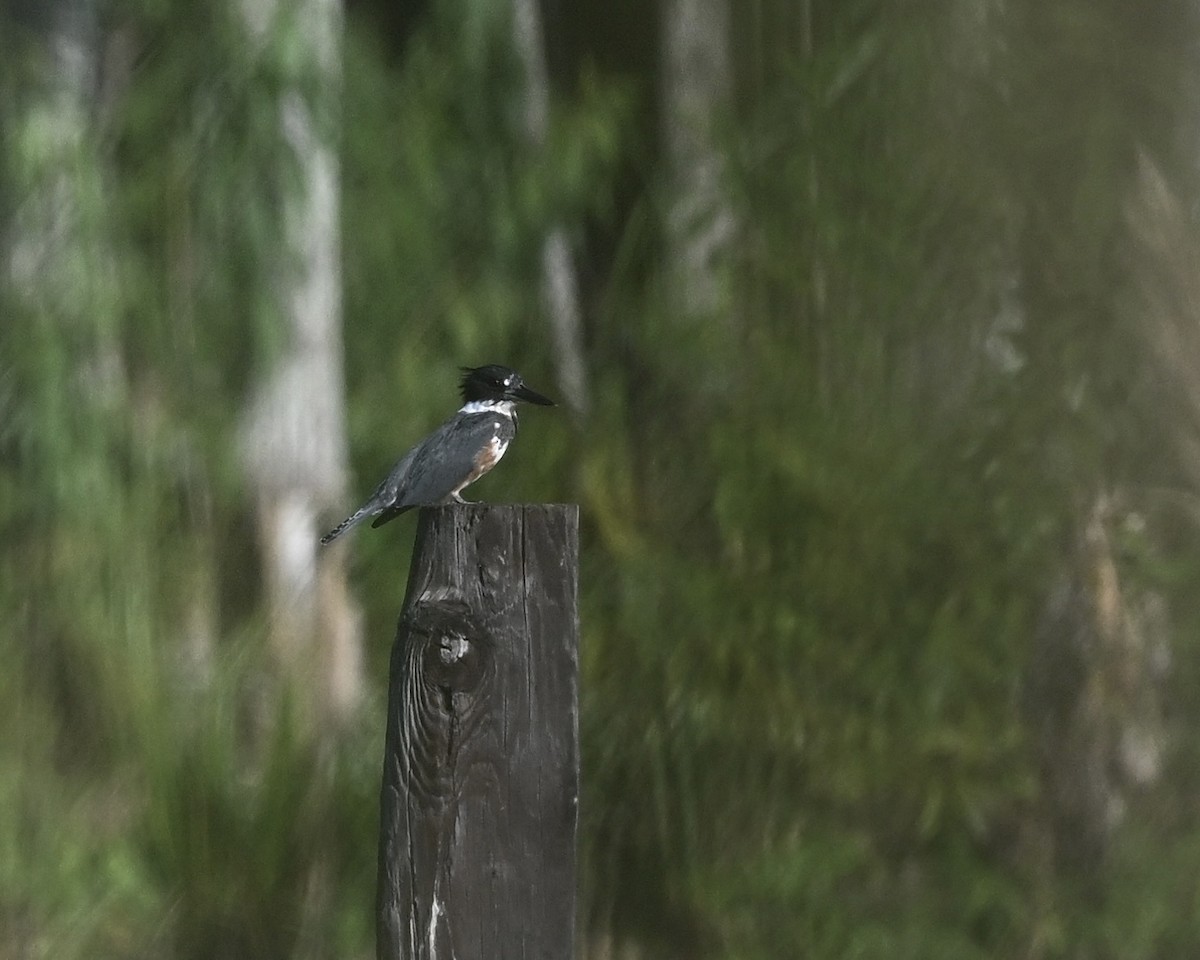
pixel 455 663
pixel 453 651
pixel 454 648
pixel 447 673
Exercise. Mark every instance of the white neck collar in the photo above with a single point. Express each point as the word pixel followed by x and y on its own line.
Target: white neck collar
pixel 505 408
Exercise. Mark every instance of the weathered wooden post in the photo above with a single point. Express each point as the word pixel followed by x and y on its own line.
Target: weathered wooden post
pixel 480 770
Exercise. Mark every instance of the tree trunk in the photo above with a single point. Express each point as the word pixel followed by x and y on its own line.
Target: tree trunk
pixel 56 250
pixel 1094 695
pixel 560 286
pixel 696 95
pixel 294 435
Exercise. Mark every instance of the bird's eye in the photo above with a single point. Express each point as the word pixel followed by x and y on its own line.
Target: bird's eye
pixel 508 381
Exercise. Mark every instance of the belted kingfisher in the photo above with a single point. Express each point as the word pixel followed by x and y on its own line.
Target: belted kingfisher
pixel 456 454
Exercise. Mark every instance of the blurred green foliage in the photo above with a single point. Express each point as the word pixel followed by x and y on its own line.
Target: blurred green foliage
pixel 819 536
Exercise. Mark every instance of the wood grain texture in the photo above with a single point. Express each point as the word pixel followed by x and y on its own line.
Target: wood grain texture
pixel 479 801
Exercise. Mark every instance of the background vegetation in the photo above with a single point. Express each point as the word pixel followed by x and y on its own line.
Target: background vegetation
pixel 886 451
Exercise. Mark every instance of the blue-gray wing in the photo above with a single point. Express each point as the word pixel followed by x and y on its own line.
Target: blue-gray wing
pixel 445 461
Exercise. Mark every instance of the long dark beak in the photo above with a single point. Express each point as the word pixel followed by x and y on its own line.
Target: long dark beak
pixel 532 396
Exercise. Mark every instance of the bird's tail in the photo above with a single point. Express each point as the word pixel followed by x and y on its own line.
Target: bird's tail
pixel 355 518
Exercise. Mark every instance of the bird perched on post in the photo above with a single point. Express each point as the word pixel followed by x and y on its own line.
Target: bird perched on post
pixel 457 453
